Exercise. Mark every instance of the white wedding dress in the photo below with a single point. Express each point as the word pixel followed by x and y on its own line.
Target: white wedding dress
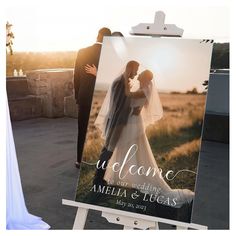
pixel 17 215
pixel 134 133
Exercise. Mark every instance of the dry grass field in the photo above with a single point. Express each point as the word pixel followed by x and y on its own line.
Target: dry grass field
pixel 175 139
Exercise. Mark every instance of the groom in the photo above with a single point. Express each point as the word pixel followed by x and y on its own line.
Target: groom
pixel 117 118
pixel 84 86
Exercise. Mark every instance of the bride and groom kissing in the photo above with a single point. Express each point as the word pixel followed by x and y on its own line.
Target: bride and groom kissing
pixel 123 118
pixel 120 108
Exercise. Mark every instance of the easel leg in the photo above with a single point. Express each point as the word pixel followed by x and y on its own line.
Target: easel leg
pixel 156 226
pixel 181 227
pixel 80 218
pixel 128 228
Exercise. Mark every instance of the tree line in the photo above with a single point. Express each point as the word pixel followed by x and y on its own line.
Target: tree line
pixel 47 60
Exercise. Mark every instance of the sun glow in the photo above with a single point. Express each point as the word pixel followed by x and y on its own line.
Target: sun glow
pixel 70 25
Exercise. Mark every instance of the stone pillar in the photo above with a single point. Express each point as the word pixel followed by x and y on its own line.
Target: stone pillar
pixel 53 85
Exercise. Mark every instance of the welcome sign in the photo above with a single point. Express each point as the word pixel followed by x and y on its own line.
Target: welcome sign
pixel 144 134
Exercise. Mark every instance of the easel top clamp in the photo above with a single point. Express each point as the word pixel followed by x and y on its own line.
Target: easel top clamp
pixel 158 28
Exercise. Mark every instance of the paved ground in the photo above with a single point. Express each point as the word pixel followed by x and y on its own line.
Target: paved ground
pixel 46 153
pixel 46 150
pixel 211 205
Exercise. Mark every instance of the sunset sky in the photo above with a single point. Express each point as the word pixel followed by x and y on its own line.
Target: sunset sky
pixel 70 25
pixel 177 65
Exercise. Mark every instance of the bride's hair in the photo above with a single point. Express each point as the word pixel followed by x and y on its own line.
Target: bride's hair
pixel 148 75
pixel 145 78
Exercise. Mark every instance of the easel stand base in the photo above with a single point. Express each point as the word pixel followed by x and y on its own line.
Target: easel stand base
pixel 128 219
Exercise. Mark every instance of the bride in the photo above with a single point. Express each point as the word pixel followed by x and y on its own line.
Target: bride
pixel 147 100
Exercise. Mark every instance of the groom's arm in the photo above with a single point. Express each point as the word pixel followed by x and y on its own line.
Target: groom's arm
pixel 137 94
pixel 136 111
pixel 128 93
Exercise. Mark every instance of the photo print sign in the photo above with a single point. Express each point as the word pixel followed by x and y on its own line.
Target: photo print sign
pixel 144 134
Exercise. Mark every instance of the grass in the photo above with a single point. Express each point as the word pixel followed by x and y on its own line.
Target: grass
pixel 182 157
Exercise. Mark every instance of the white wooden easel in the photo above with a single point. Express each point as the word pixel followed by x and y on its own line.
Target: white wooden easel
pixel 132 220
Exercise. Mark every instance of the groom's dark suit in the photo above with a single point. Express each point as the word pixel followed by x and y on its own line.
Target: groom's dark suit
pixel 119 110
pixel 84 86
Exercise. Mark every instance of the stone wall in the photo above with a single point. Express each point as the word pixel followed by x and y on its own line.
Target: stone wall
pixel 22 104
pixel 53 86
pixel 70 107
pixel 42 93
